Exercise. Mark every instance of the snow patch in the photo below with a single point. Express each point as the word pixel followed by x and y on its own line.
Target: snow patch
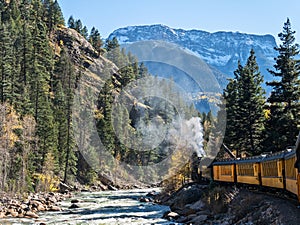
pixel 217 60
pixel 123 39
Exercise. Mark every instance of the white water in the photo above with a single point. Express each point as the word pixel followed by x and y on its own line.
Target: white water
pixel 97 208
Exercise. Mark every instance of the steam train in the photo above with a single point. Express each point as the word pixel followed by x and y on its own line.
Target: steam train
pixel 280 170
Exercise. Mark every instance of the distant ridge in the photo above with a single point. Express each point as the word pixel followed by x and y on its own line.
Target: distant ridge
pixel 221 49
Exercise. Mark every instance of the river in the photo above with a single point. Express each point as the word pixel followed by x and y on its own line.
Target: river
pixel 99 208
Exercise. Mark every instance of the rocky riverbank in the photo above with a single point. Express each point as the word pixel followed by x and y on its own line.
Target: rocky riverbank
pixel 202 204
pixel 100 207
pixel 29 206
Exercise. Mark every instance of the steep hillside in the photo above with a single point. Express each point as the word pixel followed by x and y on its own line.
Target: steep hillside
pixel 123 128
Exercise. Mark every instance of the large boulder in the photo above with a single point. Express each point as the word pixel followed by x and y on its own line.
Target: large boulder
pixel 185 196
pixel 2 215
pixel 31 214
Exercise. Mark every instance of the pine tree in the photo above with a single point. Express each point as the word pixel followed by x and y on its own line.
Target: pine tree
pixel 230 96
pixel 71 22
pixel 251 101
pixel 95 40
pixel 57 17
pixel 143 71
pixel 64 87
pixel 78 26
pixel 84 32
pixel 52 15
pixel 40 94
pixel 245 108
pixel 6 60
pixel 104 125
pixel 283 103
pixel 25 46
pixel 113 54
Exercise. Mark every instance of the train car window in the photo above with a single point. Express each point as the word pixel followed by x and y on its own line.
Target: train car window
pixel 226 170
pixel 270 169
pixel 245 169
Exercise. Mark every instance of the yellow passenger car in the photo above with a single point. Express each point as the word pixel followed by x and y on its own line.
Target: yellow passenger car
pixel 248 170
pixel 224 171
pixel 272 170
pixel 291 172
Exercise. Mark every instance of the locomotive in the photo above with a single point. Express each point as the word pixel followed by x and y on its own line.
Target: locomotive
pixel 280 170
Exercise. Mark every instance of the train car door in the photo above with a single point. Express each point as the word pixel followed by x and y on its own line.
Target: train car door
pixel 280 170
pixel 298 184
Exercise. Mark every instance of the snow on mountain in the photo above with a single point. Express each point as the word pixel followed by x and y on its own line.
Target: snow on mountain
pixel 221 50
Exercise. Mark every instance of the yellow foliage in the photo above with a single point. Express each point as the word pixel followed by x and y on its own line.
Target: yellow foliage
pixel 267 113
pixel 179 172
pixel 98 114
pixel 9 123
pixel 47 182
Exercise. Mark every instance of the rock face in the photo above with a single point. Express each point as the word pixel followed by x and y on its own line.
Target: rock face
pixel 221 50
pixel 84 56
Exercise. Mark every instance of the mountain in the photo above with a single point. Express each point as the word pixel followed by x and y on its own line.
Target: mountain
pixel 221 50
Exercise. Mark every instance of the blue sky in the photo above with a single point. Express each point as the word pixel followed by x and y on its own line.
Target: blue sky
pixel 246 16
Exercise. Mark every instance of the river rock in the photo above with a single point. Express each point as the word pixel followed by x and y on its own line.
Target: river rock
pixel 35 203
pixel 75 201
pixel 23 206
pixel 74 206
pixel 172 216
pixel 192 208
pixel 152 194
pixel 31 214
pixel 64 188
pixel 41 208
pixel 198 206
pixel 102 187
pixel 51 200
pixel 112 188
pixel 185 219
pixel 105 179
pixel 14 214
pixel 144 199
pixel 198 219
pixel 2 215
pixel 10 210
pixel 54 208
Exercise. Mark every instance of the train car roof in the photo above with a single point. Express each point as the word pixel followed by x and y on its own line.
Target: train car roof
pixel 253 159
pixel 290 154
pixel 274 156
pixel 256 159
pixel 224 162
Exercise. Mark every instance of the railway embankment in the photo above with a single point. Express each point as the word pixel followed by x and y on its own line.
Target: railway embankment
pixel 207 204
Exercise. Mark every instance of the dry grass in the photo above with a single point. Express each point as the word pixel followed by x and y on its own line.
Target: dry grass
pixel 217 199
